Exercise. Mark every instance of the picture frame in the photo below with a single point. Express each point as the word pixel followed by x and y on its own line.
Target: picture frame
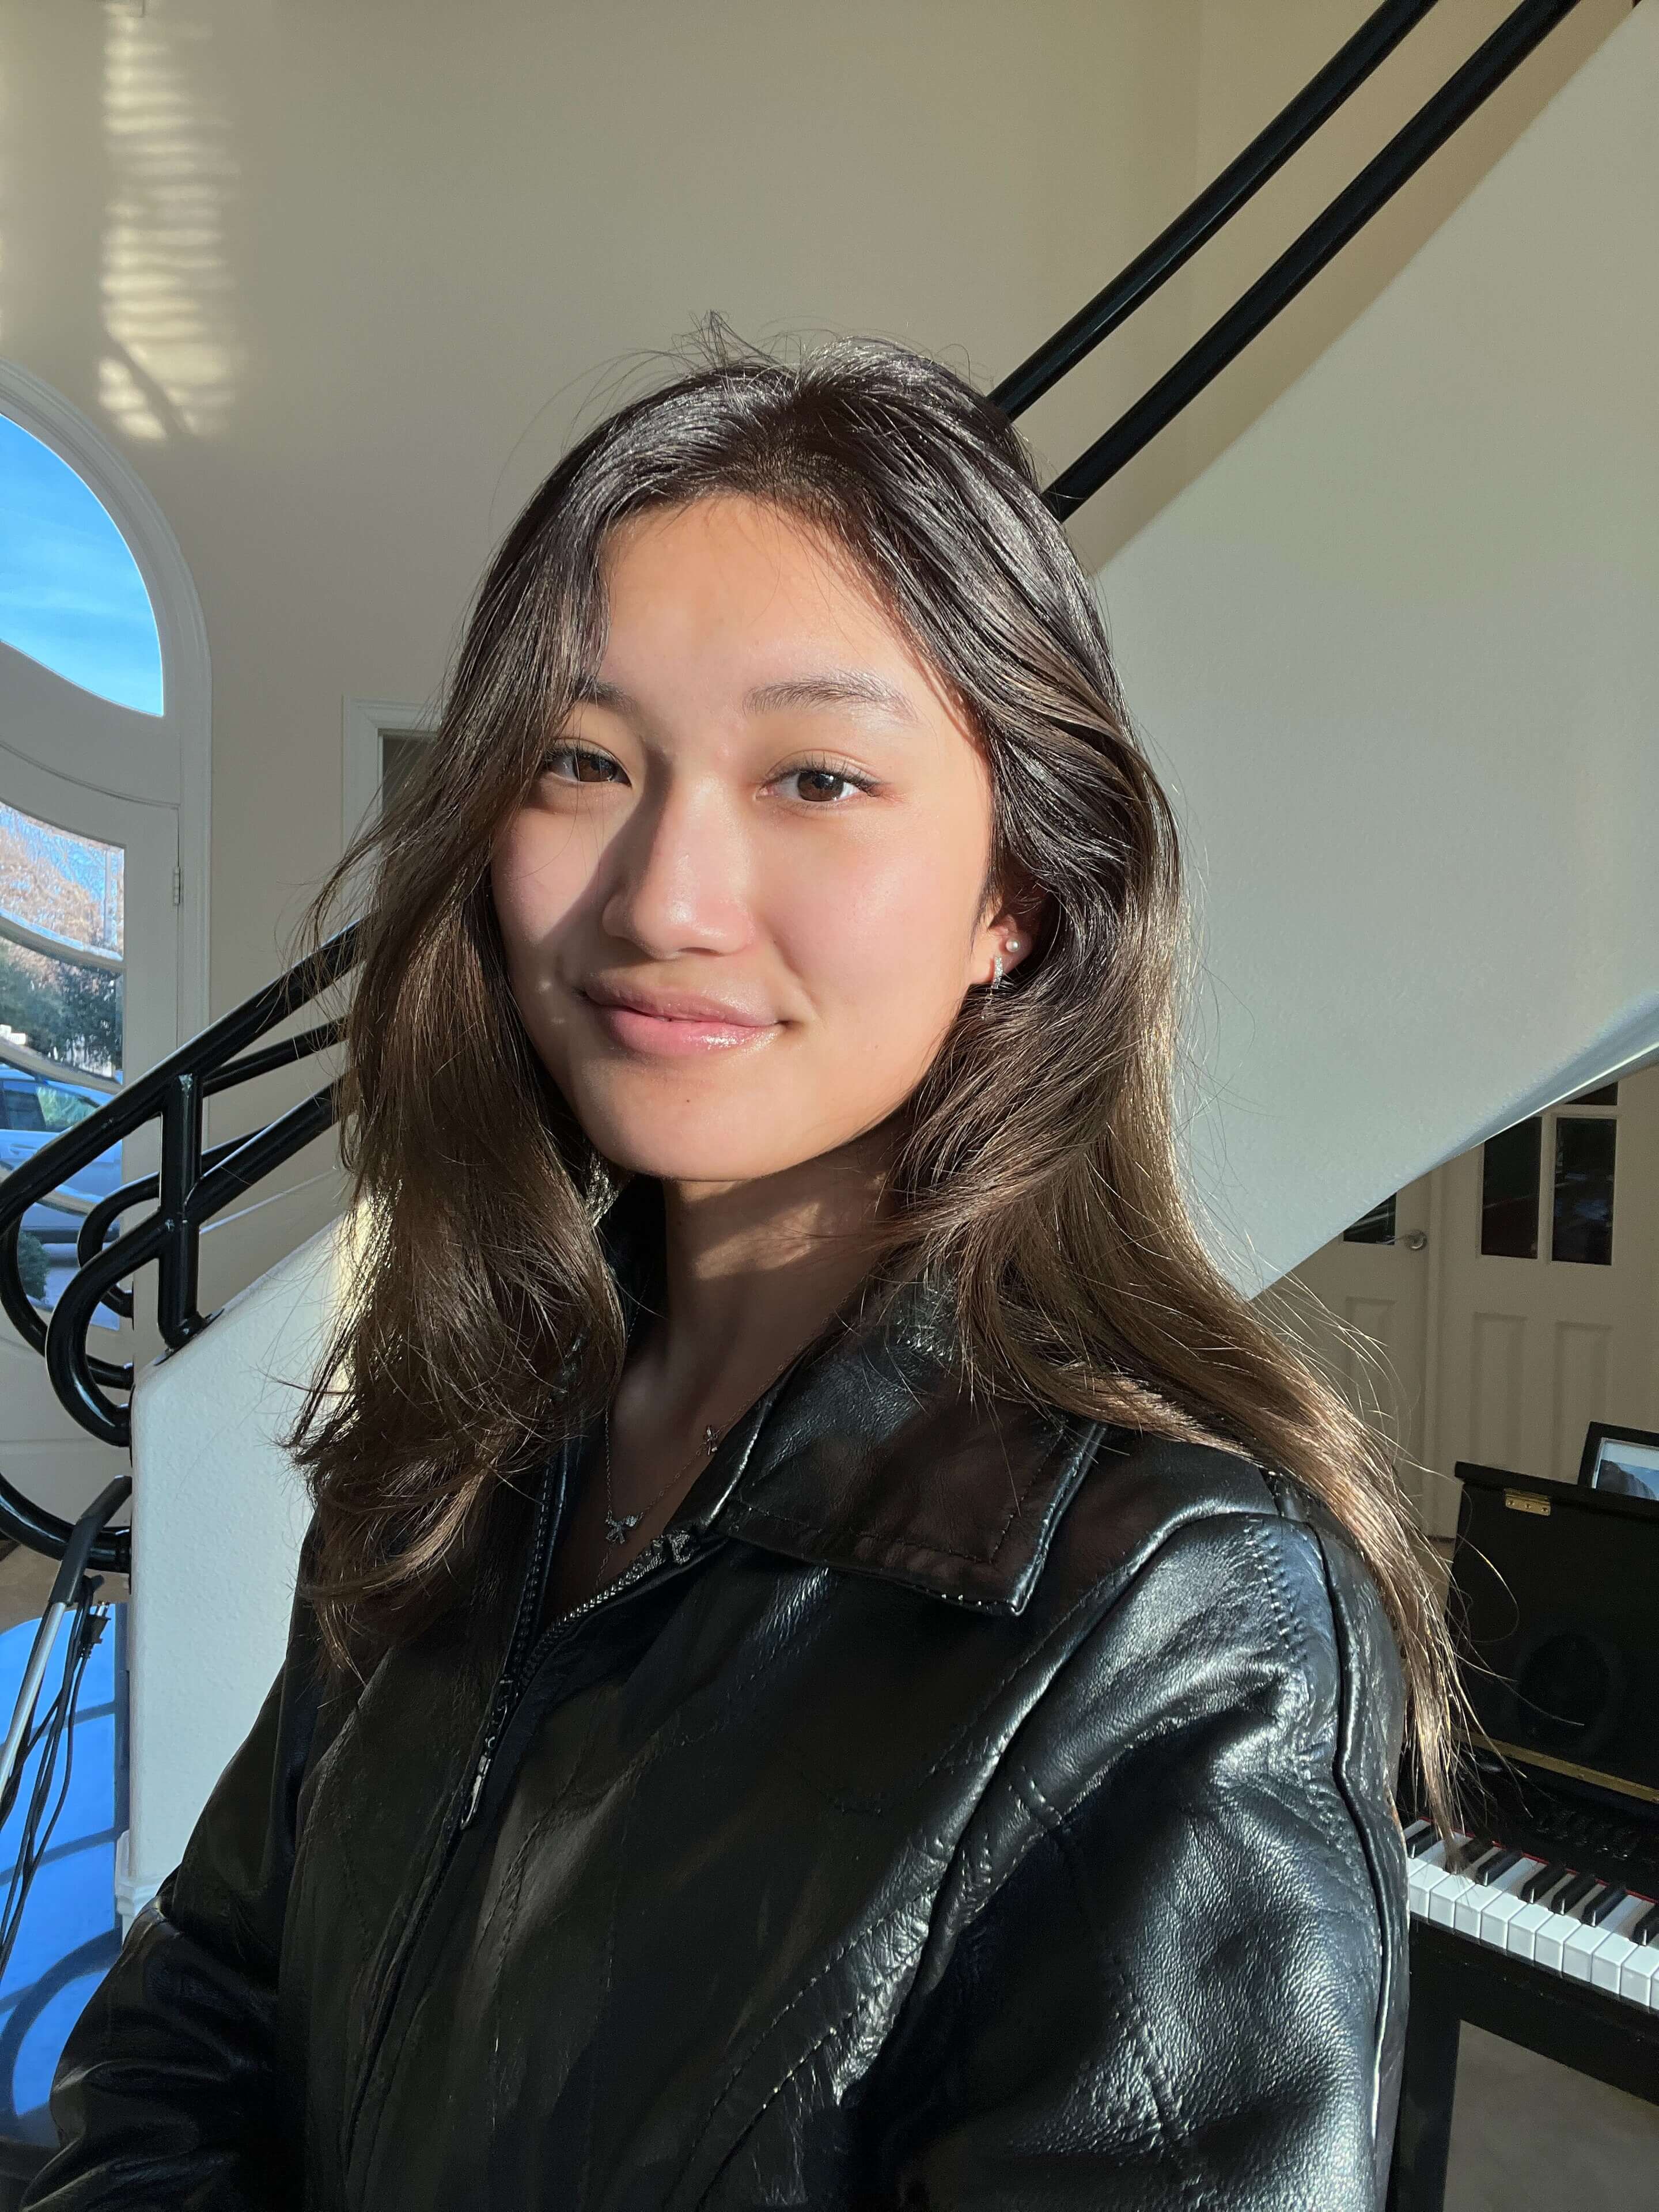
pixel 1620 1459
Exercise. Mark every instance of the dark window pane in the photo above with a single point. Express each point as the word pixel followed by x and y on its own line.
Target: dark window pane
pixel 1509 1191
pixel 1375 1227
pixel 400 750
pixel 1607 1096
pixel 1583 1190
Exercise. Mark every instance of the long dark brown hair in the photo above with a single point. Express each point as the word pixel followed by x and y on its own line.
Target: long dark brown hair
pixel 1037 1171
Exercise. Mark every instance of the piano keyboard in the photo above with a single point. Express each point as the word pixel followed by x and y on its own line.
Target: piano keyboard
pixel 1542 1911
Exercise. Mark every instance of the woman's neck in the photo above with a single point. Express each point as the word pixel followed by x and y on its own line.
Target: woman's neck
pixel 751 1272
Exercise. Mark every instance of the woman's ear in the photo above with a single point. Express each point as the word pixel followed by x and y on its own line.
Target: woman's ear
pixel 1015 923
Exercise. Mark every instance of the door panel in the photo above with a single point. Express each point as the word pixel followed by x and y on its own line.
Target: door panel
pixel 42 1451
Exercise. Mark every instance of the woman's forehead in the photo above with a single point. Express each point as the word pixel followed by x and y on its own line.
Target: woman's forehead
pixel 769 602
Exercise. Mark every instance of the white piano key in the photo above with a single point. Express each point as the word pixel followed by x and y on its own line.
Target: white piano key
pixel 1427 1872
pixel 1497 1905
pixel 1638 1976
pixel 1442 1886
pixel 1611 1954
pixel 1520 1936
pixel 1550 1941
pixel 1444 1902
pixel 1581 1947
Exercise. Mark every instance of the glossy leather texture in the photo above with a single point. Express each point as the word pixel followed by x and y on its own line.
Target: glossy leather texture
pixel 961 1806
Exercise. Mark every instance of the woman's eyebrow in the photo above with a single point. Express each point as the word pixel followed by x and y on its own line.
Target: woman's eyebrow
pixel 832 687
pixel 829 686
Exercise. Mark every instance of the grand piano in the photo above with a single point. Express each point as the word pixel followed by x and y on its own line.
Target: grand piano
pixel 1539 1918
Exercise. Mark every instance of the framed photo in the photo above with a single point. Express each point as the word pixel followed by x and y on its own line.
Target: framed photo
pixel 1626 1460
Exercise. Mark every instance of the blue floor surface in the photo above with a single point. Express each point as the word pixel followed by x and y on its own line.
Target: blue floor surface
pixel 70 1932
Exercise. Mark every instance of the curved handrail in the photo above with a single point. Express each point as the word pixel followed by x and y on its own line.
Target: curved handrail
pixel 1375 185
pixel 189 1186
pixel 1238 183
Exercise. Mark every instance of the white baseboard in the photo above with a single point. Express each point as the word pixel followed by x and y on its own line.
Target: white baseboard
pixel 131 1897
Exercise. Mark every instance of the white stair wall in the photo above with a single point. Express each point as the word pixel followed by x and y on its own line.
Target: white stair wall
pixel 1397 653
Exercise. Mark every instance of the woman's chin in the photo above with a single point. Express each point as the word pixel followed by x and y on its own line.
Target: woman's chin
pixel 683 1154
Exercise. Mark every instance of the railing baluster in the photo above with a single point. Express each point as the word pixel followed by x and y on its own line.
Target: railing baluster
pixel 191 1186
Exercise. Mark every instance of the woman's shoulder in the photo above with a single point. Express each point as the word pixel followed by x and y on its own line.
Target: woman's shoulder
pixel 1161 1528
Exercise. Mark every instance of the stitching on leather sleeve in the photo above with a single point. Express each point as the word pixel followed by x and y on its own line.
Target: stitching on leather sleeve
pixel 860 1935
pixel 775 2093
pixel 1322 1776
pixel 1128 2006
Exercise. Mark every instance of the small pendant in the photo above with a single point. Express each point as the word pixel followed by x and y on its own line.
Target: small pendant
pixel 616 1531
pixel 711 1437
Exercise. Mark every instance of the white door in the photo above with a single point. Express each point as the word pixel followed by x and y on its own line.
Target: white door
pixel 61 833
pixel 1549 1284
pixel 1373 1281
pixel 1513 1297
pixel 103 734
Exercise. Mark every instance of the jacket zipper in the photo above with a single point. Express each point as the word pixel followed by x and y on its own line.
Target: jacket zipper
pixel 679 1545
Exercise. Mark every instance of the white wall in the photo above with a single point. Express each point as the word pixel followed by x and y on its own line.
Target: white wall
pixel 1398 653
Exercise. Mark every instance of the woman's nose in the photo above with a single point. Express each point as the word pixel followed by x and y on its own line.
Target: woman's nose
pixel 679 872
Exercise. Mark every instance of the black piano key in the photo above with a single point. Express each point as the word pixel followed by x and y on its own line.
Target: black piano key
pixel 1476 1859
pixel 1646 1929
pixel 1581 1886
pixel 1424 1841
pixel 1599 1907
pixel 1546 1878
pixel 1495 1869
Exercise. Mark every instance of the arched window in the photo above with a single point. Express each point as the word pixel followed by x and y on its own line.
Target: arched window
pixel 71 596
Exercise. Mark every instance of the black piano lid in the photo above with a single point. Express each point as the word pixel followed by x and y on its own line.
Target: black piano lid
pixel 1555 1601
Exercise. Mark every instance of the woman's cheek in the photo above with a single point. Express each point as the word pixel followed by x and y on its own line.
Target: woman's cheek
pixel 881 955
pixel 532 879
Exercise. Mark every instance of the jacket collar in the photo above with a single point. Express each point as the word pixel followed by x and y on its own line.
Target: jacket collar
pixel 866 1453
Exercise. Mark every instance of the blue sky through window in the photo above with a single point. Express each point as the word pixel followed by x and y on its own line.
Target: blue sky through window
pixel 70 593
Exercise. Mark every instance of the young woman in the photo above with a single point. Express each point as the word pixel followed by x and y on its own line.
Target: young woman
pixel 836 1663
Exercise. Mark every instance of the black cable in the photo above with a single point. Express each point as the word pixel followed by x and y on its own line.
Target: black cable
pixel 87 1623
pixel 33 1842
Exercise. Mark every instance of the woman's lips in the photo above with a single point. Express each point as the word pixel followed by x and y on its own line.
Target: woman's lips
pixel 666 1039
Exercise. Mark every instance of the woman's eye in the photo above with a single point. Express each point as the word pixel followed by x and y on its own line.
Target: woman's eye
pixel 816 778
pixel 578 757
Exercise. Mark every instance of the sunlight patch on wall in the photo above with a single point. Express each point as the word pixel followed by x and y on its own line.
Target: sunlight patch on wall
pixel 173 358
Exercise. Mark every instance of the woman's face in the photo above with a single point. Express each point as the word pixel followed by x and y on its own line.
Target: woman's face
pixel 769 807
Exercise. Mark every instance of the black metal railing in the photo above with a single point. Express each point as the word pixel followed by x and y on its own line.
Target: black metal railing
pixel 191 1185
pixel 1352 208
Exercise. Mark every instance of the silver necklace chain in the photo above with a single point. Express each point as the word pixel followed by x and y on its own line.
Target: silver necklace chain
pixel 619 1526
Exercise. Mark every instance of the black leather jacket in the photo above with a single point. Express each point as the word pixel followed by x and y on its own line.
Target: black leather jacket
pixel 953 1807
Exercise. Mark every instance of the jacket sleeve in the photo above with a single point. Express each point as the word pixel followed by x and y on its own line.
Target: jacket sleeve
pixel 1168 1969
pixel 165 2093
